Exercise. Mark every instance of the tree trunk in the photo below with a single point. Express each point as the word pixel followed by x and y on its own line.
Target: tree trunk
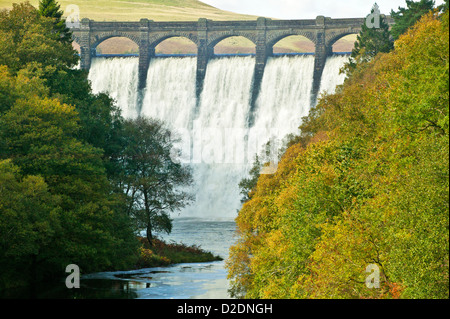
pixel 149 235
pixel 149 223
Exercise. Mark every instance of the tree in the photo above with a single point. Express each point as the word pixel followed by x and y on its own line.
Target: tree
pixel 26 37
pixel 56 140
pixel 370 41
pixel 29 220
pixel 374 192
pixel 28 44
pixel 151 178
pixel 406 17
pixel 444 7
pixel 51 9
pixel 247 185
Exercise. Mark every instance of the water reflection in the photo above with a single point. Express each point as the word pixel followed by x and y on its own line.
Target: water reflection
pixel 182 281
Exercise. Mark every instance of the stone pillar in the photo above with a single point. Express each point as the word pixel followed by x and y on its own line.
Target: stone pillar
pixel 145 52
pixel 321 54
pixel 262 53
pixel 203 54
pixel 85 44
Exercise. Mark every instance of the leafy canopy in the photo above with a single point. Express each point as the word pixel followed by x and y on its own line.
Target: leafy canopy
pixel 404 18
pixel 366 184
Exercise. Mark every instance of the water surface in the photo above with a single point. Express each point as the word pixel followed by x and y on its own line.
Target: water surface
pixel 181 281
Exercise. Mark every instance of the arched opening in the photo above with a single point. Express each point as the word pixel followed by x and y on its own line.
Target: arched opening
pixel 294 44
pixel 235 45
pixel 176 46
pixel 345 44
pixel 117 46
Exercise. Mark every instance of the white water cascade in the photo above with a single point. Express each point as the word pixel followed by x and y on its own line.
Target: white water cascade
pixel 220 145
pixel 217 138
pixel 331 76
pixel 171 91
pixel 284 98
pixel 119 78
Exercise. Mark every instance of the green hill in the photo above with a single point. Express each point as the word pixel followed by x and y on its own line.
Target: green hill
pixel 133 10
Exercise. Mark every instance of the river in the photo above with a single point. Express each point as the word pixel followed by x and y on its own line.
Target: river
pixel 181 281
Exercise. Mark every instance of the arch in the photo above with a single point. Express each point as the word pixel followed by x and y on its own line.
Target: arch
pixel 117 46
pixel 234 45
pixel 275 37
pixel 76 46
pixel 293 44
pixel 99 38
pixel 345 43
pixel 156 38
pixel 76 38
pixel 333 36
pixel 166 44
pixel 216 37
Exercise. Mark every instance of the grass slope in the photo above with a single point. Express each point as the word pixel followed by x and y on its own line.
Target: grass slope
pixel 134 10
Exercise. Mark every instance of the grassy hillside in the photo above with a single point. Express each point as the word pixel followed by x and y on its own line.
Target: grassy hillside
pixel 133 10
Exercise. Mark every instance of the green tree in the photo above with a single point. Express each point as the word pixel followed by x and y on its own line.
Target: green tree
pixel 372 40
pixel 26 37
pixel 39 134
pixel 444 7
pixel 28 44
pixel 29 221
pixel 404 18
pixel 59 139
pixel 247 185
pixel 154 182
pixel 51 9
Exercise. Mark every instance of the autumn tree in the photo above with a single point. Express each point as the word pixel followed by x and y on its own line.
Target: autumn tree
pixel 366 185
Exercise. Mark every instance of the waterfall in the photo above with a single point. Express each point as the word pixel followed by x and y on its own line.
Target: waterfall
pixel 225 100
pixel 330 76
pixel 119 78
pixel 216 140
pixel 170 94
pixel 284 98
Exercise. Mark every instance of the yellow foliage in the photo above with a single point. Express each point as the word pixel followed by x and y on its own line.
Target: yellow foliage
pixel 371 188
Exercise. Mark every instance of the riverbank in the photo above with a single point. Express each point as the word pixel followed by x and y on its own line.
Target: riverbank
pixel 162 254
